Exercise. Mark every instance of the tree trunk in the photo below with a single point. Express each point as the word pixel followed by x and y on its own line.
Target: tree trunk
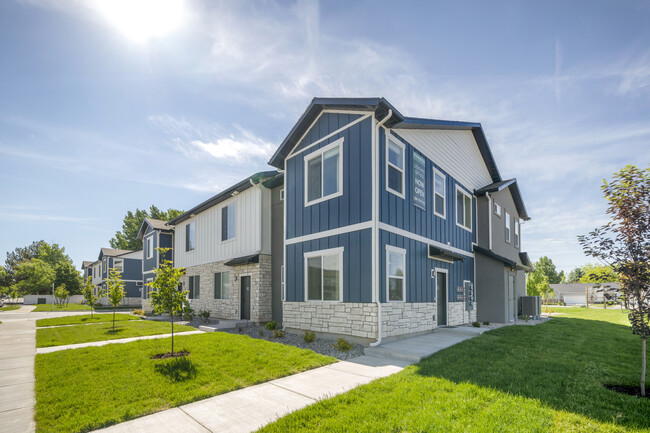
pixel 113 318
pixel 172 316
pixel 643 366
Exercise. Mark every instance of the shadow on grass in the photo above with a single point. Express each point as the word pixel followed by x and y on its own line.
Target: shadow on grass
pixel 563 363
pixel 177 369
pixel 116 331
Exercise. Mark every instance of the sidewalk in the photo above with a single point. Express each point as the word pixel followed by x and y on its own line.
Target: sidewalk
pixel 248 409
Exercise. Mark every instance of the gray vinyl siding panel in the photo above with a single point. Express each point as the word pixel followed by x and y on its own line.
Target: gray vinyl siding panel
pixel 132 290
pixel 149 264
pixel 132 270
pixel 499 244
pixel 277 256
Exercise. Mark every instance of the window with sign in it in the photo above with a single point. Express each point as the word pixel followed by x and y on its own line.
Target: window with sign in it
pixel 395 167
pixel 439 194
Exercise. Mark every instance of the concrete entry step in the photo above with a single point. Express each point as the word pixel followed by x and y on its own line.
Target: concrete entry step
pixel 224 324
pixel 415 349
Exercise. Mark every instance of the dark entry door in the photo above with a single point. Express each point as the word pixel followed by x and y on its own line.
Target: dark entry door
pixel 441 297
pixel 246 298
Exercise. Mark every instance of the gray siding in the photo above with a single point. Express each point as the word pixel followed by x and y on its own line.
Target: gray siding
pixel 499 244
pixel 277 236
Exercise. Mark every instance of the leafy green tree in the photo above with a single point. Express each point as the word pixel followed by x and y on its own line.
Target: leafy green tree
pixel 61 295
pixel 537 284
pixel 89 295
pixel 598 274
pixel 18 255
pixel 33 276
pixel 127 238
pixel 574 276
pixel 624 244
pixel 114 291
pixel 546 266
pixel 166 296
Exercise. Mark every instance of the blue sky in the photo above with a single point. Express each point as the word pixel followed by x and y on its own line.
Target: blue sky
pixel 102 111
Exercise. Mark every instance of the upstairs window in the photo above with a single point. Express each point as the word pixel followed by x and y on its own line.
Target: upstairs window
pixel 194 289
pixel 517 233
pixel 507 226
pixel 106 264
pixel 396 273
pixel 324 173
pixel 463 209
pixel 189 237
pixel 228 222
pixel 324 276
pixel 497 209
pixel 118 265
pixel 222 285
pixel 149 247
pixel 439 194
pixel 395 168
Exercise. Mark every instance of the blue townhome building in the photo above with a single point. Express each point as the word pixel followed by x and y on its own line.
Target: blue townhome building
pixel 127 263
pixel 154 234
pixel 380 221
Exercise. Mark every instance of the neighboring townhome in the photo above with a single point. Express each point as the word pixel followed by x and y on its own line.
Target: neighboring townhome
pixel 86 270
pixel 225 244
pixel 154 234
pixel 129 264
pixel 380 219
pixel 500 263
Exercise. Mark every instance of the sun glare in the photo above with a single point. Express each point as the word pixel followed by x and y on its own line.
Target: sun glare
pixel 141 20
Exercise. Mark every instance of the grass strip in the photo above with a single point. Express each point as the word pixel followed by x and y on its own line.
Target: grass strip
pixel 85 319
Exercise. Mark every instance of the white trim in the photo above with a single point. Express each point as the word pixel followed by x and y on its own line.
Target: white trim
pixel 446 272
pixel 495 207
pixel 320 253
pixel 392 229
pixel 147 239
pixel 517 234
pixel 282 194
pixel 283 285
pixel 327 233
pixel 402 252
pixel 471 204
pixel 444 195
pixel 328 136
pixel 115 265
pixel 391 138
pixel 490 202
pixel 319 153
pixel 507 228
pixel 187 236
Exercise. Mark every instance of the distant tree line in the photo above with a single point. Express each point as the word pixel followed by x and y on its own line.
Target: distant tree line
pixel 127 238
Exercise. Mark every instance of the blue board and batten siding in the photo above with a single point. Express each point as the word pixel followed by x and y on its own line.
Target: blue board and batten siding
pixel 355 205
pixel 149 264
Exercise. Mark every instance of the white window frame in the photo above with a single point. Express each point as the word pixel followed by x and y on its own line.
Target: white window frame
pixel 471 203
pixel 147 288
pixel 389 164
pixel 234 236
pixel 338 143
pixel 402 252
pixel 507 228
pixel 149 251
pixel 106 265
pixel 282 194
pixel 497 209
pixel 517 233
pixel 121 267
pixel 442 215
pixel 321 253
pixel 186 236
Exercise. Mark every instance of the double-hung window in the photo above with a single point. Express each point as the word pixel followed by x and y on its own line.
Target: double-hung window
pixel 439 194
pixel 149 247
pixel 517 233
pixel 507 226
pixel 324 173
pixel 324 275
pixel 118 265
pixel 228 222
pixel 222 285
pixel 194 289
pixel 148 288
pixel 395 167
pixel 189 236
pixel 395 273
pixel 463 209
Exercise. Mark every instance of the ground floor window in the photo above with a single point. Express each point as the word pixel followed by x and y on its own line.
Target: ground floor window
pixel 194 287
pixel 222 285
pixel 395 273
pixel 324 275
pixel 148 288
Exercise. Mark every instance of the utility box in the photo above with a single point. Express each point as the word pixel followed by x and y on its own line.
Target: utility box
pixel 530 306
pixel 470 295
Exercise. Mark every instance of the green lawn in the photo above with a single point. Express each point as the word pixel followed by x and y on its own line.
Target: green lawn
pixel 86 318
pixel 50 307
pixel 83 333
pixel 85 389
pixel 9 307
pixel 539 378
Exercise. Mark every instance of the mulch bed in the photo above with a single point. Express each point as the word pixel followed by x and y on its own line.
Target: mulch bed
pixel 628 389
pixel 169 355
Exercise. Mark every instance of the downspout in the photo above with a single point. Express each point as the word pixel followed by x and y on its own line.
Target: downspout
pixel 489 220
pixel 375 231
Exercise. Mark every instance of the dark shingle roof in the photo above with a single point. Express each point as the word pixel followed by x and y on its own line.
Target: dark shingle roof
pixel 514 191
pixel 112 252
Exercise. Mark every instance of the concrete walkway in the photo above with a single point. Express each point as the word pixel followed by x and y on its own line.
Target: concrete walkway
pixel 248 409
pixel 414 349
pixel 118 341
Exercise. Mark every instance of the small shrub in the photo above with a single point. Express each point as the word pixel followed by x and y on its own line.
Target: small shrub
pixel 343 345
pixel 486 322
pixel 138 312
pixel 260 332
pixel 239 328
pixel 476 324
pixel 271 325
pixel 309 336
pixel 204 315
pixel 188 313
pixel 525 317
pixel 277 333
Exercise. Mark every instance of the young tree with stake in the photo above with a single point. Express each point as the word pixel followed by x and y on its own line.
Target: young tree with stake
pixel 89 296
pixel 166 296
pixel 115 290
